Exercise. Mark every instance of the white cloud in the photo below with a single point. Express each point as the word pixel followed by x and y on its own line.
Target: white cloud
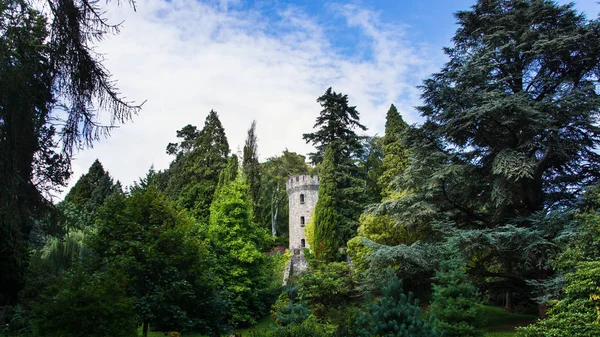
pixel 186 57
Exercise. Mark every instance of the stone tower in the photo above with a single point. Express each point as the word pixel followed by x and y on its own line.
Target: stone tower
pixel 303 192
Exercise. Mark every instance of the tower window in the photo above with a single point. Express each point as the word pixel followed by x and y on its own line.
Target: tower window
pixel 302 243
pixel 297 179
pixel 302 220
pixel 301 198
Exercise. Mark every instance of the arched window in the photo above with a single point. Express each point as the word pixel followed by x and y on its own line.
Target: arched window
pixel 302 243
pixel 301 198
pixel 302 220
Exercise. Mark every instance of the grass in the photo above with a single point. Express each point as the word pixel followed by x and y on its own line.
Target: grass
pixel 502 324
pixel 262 325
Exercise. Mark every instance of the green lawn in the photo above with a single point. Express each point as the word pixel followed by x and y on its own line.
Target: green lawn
pixel 261 325
pixel 499 324
pixel 502 324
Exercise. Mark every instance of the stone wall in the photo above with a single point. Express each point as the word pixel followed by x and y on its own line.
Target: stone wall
pixel 303 192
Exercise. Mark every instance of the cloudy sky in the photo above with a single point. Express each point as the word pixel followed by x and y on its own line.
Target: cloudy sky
pixel 266 61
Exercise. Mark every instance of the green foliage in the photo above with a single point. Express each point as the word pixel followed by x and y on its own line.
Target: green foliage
pixel 92 188
pixel 576 315
pixel 385 230
pixel 275 171
pixel 84 304
pixel 395 154
pixel 251 169
pixel 358 254
pixel 510 132
pixel 371 168
pixel 328 289
pixel 576 312
pixel 169 267
pixel 336 124
pixel 326 241
pixel 240 246
pixel 395 314
pixel 288 309
pixel 30 165
pixel 414 262
pixel 308 328
pixel 228 174
pixel 455 301
pixel 194 174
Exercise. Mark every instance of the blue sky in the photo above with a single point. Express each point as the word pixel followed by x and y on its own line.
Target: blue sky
pixel 266 61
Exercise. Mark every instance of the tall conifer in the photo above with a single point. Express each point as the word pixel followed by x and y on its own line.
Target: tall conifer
pixel 326 218
pixel 251 169
pixel 395 155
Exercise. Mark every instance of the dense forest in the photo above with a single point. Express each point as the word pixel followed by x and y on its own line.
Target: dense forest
pixel 490 203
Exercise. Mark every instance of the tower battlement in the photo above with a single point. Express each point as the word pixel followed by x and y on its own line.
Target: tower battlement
pixel 302 182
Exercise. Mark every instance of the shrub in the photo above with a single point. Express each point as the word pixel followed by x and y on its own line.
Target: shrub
pixel 309 328
pixel 395 314
pixel 86 305
pixel 455 303
pixel 328 288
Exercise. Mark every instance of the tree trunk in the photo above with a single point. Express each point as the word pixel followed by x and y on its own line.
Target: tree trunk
pixel 508 306
pixel 542 310
pixel 145 329
pixel 274 202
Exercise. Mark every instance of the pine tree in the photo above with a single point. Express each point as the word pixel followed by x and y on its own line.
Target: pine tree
pixel 395 155
pixel 395 314
pixel 454 301
pixel 251 169
pixel 326 219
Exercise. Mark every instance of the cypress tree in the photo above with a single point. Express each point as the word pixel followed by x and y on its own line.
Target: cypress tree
pixel 395 155
pixel 326 218
pixel 251 169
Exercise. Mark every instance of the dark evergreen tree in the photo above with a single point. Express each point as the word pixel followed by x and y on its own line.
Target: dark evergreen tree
pixel 30 166
pixel 42 73
pixel 251 169
pixel 326 240
pixel 194 174
pixel 336 124
pixel 511 129
pixel 188 134
pixel 92 188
